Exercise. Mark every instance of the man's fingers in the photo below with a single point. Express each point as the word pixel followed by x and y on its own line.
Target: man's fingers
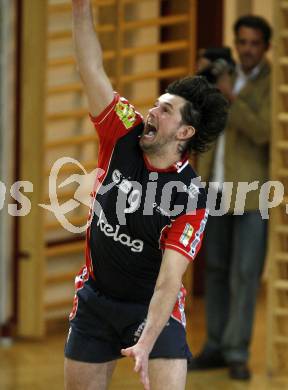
pixel 147 386
pixel 141 365
pixel 137 364
pixel 144 378
pixel 127 352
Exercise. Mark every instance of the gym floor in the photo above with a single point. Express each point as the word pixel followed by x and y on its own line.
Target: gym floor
pixel 39 365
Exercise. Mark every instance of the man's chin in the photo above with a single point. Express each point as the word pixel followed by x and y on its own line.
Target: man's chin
pixel 248 66
pixel 143 144
pixel 147 147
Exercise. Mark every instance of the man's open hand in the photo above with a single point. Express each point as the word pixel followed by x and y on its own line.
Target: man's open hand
pixel 140 356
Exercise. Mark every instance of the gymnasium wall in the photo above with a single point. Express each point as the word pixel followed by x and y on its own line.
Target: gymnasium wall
pixel 7 112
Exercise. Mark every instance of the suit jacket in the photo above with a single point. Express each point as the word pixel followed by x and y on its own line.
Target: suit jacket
pixel 247 136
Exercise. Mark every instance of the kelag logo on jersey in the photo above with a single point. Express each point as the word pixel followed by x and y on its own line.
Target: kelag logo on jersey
pixel 114 232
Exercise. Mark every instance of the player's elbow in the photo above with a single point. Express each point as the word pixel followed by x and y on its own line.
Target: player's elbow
pixel 169 285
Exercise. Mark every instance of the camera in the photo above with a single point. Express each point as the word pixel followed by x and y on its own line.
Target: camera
pixel 217 61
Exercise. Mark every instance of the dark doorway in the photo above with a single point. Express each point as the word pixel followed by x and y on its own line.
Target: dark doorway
pixel 210 23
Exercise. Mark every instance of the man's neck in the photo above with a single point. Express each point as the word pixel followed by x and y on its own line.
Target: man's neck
pixel 162 162
pixel 250 72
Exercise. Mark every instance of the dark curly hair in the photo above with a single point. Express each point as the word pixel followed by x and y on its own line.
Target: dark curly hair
pixel 206 110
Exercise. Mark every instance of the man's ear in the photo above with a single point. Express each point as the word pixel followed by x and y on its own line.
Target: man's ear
pixel 185 132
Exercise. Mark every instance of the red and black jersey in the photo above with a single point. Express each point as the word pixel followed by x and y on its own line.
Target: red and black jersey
pixel 138 211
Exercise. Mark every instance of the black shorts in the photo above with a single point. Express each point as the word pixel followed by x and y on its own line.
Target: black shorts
pixel 103 326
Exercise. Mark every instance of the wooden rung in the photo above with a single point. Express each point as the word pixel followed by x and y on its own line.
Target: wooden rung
pixel 283 61
pixel 72 141
pixel 281 285
pixel 283 117
pixel 67 34
pixel 63 61
pixel 66 88
pixel 172 72
pixel 284 5
pixel 280 339
pixel 158 48
pixel 57 8
pixel 55 35
pixel 61 304
pixel 55 62
pixel 160 74
pixel 104 28
pixel 64 115
pixel 60 278
pixel 76 221
pixel 283 172
pixel 65 249
pixel 283 145
pixel 66 7
pixel 161 21
pixel 281 257
pixel 127 52
pixel 282 229
pixel 284 34
pixel 73 168
pixel 280 312
pixel 283 89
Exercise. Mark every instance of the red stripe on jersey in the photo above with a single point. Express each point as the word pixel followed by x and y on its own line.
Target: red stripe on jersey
pixel 176 167
pixel 185 234
pixel 179 309
pixel 80 279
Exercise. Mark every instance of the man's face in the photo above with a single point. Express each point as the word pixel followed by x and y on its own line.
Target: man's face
pixel 162 124
pixel 250 46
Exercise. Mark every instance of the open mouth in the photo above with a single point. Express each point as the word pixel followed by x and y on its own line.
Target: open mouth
pixel 149 131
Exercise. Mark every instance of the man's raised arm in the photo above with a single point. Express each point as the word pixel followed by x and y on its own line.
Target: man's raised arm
pixel 89 58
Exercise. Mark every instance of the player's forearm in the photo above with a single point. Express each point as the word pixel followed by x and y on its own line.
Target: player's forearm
pixel 160 309
pixel 87 47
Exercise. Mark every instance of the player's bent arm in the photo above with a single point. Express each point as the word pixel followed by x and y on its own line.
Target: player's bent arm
pixel 167 287
pixel 89 58
pixel 161 305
